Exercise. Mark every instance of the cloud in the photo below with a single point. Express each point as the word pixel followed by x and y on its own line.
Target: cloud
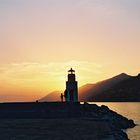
pixel 30 81
pixel 52 71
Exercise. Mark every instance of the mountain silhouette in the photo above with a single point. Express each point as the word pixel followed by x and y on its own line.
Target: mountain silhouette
pixel 51 97
pixel 122 87
pixel 90 91
pixel 125 91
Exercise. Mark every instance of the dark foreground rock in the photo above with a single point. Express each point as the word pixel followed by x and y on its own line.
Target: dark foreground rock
pixel 116 121
pixel 84 121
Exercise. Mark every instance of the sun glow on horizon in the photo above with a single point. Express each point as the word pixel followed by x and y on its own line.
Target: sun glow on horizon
pixel 30 81
pixel 39 79
pixel 41 40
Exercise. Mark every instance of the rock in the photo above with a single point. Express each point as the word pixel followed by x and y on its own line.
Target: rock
pixel 117 121
pixel 131 124
pixel 120 135
pixel 92 112
pixel 103 107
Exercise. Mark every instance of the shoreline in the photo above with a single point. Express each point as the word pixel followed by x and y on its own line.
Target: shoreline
pixel 76 114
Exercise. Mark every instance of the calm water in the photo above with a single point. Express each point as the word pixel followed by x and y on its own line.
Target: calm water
pixel 129 110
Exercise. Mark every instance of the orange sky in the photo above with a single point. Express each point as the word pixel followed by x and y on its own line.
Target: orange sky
pixel 41 40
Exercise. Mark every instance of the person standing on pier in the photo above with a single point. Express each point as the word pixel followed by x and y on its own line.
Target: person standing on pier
pixel 62 97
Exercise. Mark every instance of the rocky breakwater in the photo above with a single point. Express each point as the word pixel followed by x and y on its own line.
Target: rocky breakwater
pixel 116 122
pixel 85 121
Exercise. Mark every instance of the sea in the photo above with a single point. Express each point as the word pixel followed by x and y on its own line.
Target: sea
pixel 131 110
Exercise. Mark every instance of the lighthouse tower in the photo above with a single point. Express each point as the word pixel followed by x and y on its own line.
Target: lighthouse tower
pixel 71 92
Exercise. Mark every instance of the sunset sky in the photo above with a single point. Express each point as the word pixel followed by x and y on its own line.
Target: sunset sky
pixel 41 39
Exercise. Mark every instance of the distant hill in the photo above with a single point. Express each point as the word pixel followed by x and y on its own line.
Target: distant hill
pixel 118 88
pixel 51 97
pixel 90 91
pixel 125 91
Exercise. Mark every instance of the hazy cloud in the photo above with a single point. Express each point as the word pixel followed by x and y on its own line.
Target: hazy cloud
pixel 50 71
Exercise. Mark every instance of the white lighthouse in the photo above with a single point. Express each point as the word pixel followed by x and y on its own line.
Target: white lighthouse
pixel 71 92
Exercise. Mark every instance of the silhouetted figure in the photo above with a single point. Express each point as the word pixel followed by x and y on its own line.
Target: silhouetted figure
pixel 62 97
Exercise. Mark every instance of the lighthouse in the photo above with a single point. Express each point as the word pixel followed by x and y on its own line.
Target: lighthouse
pixel 71 92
